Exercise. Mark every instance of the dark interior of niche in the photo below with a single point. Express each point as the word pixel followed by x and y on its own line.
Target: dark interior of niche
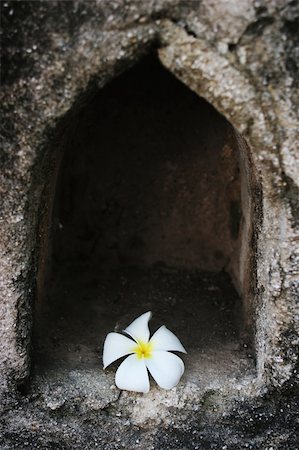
pixel 146 216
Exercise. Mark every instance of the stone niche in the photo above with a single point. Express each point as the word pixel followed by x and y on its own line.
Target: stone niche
pixel 149 164
pixel 152 209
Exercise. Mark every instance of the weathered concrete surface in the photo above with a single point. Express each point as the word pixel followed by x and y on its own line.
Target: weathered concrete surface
pixel 62 420
pixel 60 55
pixel 231 87
pixel 240 56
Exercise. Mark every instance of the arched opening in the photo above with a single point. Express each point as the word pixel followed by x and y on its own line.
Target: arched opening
pixel 149 214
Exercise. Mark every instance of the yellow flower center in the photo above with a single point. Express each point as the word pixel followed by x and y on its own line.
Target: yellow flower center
pixel 143 349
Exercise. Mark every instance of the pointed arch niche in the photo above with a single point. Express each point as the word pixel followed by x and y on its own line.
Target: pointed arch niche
pixel 152 211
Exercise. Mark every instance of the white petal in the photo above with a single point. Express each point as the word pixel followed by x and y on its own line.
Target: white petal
pixel 132 375
pixel 138 329
pixel 115 346
pixel 166 368
pixel 164 339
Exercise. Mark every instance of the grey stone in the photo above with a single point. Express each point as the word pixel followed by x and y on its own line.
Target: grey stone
pixel 242 58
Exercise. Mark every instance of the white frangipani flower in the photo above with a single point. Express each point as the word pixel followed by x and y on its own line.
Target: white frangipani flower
pixel 144 354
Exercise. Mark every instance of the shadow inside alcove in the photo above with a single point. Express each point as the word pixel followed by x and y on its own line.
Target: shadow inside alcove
pixel 147 216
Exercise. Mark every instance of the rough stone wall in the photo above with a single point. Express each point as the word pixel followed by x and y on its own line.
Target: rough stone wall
pixel 240 56
pixel 238 82
pixel 54 52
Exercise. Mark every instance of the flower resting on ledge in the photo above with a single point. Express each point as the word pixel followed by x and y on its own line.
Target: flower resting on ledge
pixel 144 354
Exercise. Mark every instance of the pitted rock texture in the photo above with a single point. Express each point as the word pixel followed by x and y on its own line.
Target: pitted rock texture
pixel 242 58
